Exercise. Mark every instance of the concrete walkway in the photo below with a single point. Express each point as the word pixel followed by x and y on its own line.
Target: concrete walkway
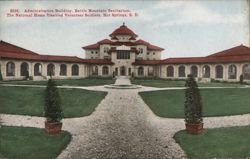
pixel 123 126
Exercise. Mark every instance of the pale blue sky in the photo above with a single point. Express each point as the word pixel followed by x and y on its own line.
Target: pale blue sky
pixel 192 28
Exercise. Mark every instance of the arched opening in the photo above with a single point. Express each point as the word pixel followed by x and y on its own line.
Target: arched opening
pixel 105 70
pixel 150 71
pixel 194 71
pixel 24 69
pixel 218 71
pixel 94 70
pixel 10 69
pixel 232 72
pixel 246 71
pixel 37 69
pixel 51 70
pixel 123 71
pixel 140 71
pixel 170 71
pixel 75 70
pixel 181 71
pixel 206 71
pixel 63 70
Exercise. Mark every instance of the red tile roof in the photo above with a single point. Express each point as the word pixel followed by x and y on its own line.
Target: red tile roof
pixel 92 46
pixel 236 54
pixel 123 30
pixel 98 61
pixel 4 46
pixel 235 51
pixel 146 62
pixel 105 41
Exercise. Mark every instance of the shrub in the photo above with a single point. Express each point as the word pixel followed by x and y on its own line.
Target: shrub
pixel 193 104
pixel 52 109
pixel 1 77
pixel 241 79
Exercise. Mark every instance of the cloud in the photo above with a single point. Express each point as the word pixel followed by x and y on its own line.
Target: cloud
pixel 195 13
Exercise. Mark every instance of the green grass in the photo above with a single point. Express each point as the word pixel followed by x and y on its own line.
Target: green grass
pixel 68 82
pixel 31 143
pixel 30 101
pixel 216 102
pixel 160 83
pixel 230 142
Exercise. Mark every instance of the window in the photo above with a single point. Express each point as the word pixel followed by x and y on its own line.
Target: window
pixel 10 69
pixel 181 71
pixel 170 71
pixel 232 72
pixel 194 71
pixel 206 71
pixel 63 70
pixel 246 71
pixel 153 53
pixel 123 54
pixel 218 71
pixel 75 70
pixel 37 69
pixel 96 52
pixel 105 70
pixel 147 53
pixel 51 70
pixel 140 50
pixel 140 71
pixel 24 69
pixel 94 70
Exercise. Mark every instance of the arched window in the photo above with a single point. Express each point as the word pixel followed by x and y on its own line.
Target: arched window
pixel 51 70
pixel 232 72
pixel 24 69
pixel 206 71
pixel 10 69
pixel 170 71
pixel 105 70
pixel 94 70
pixel 218 71
pixel 75 70
pixel 37 69
pixel 194 71
pixel 246 71
pixel 140 71
pixel 150 71
pixel 63 70
pixel 181 71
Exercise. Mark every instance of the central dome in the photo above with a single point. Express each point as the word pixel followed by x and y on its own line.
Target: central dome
pixel 123 30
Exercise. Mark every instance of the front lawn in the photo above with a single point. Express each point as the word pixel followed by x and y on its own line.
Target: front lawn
pixel 216 143
pixel 31 143
pixel 68 82
pixel 161 83
pixel 30 101
pixel 216 102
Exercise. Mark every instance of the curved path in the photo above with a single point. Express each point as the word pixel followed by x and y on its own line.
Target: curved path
pixel 123 126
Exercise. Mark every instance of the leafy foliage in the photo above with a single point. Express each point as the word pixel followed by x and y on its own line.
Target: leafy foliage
pixel 241 79
pixel 53 111
pixel 1 77
pixel 193 104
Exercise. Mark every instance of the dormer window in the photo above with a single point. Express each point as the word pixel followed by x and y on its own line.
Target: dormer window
pixel 140 50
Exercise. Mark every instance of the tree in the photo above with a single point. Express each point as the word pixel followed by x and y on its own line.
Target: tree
pixel 52 109
pixel 1 77
pixel 241 79
pixel 193 104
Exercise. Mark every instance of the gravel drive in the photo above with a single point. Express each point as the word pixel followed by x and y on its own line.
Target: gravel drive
pixel 123 126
